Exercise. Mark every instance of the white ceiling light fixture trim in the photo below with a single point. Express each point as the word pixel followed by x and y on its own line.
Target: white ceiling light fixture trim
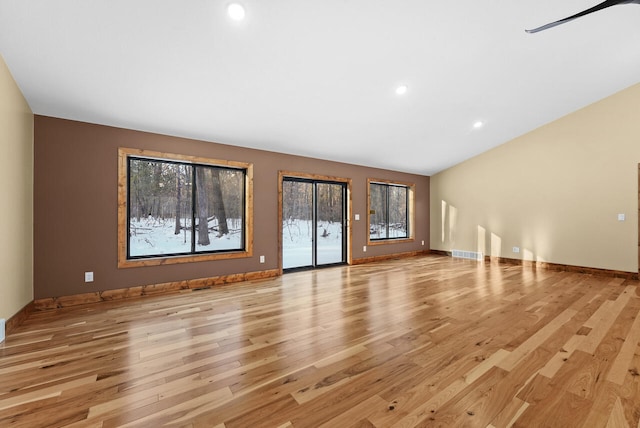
pixel 236 11
pixel 402 89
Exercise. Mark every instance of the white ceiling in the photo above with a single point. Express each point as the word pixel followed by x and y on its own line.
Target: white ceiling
pixel 317 77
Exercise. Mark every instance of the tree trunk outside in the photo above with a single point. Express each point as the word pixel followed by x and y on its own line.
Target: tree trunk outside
pixel 218 203
pixel 203 222
pixel 178 203
pixel 157 178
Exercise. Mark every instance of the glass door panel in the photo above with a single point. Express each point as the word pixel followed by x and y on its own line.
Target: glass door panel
pixel 329 223
pixel 297 224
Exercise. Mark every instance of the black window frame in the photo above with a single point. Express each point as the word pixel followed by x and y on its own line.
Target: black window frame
pixel 194 186
pixel 409 189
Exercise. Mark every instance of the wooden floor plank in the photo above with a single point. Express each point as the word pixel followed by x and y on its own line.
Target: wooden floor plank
pixel 624 357
pixel 422 341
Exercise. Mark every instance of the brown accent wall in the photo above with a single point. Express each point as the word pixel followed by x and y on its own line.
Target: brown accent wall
pixel 75 207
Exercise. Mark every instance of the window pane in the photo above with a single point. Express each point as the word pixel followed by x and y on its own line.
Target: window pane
pixel 397 212
pixel 219 209
pixel 159 208
pixel 378 211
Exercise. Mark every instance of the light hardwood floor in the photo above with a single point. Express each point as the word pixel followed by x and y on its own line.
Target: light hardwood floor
pixel 425 341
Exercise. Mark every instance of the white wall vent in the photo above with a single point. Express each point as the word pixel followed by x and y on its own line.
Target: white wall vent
pixel 472 255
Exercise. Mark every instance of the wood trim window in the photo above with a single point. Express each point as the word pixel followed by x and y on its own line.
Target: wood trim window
pixel 390 208
pixel 302 175
pixel 180 209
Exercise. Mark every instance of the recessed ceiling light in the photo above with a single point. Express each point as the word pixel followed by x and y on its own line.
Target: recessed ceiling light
pixel 402 89
pixel 236 11
pixel 478 124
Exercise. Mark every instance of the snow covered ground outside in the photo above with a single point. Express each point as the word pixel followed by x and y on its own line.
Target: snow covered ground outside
pixel 379 231
pixel 153 236
pixel 297 245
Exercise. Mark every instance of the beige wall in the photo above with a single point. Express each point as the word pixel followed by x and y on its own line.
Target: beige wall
pixel 555 192
pixel 16 215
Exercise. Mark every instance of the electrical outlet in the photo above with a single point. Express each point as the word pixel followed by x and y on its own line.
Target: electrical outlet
pixel 621 217
pixel 364 248
pixel 516 249
pixel 88 277
pixel 357 216
pixel 261 259
pixel 422 242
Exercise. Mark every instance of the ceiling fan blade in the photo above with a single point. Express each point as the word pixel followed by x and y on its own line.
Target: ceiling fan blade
pixel 605 4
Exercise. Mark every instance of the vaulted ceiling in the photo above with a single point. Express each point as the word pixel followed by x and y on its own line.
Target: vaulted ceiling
pixel 319 77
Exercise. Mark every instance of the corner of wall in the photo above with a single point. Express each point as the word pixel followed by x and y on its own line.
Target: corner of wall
pixel 17 168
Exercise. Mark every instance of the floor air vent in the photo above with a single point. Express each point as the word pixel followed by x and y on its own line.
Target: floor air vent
pixel 472 255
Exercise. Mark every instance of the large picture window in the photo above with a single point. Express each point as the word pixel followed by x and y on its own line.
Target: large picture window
pixel 178 208
pixel 390 211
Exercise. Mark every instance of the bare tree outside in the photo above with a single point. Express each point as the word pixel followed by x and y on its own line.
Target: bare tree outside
pixel 218 203
pixel 201 207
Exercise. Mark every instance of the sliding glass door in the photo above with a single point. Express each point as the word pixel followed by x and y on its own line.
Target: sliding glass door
pixel 313 223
